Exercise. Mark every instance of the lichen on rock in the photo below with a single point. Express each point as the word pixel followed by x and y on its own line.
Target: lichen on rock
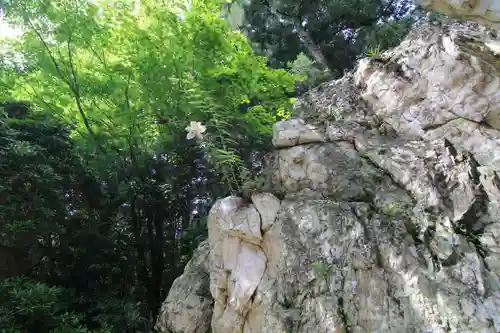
pixel 390 218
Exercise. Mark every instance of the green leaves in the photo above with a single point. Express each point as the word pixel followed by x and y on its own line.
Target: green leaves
pixel 96 74
pixel 334 33
pixel 27 306
pixel 101 172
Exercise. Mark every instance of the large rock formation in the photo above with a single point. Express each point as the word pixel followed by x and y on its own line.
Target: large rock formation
pixel 391 218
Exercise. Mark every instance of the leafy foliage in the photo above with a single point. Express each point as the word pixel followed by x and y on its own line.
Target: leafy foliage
pixel 206 72
pixel 307 69
pixel 54 230
pixel 387 35
pixel 104 197
pixel 36 307
pixel 333 33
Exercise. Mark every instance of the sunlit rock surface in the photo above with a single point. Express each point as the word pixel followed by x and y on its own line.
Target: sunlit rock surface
pixel 486 12
pixel 390 221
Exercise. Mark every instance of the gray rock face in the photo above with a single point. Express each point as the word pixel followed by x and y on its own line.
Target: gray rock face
pixel 189 305
pixel 391 218
pixel 486 12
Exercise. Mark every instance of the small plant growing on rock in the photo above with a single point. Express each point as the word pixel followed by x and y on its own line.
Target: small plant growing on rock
pixel 473 238
pixel 321 269
pixel 389 209
pixel 393 209
pixel 251 184
pixel 373 51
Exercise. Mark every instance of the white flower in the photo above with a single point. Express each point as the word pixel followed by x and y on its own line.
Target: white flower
pixel 195 130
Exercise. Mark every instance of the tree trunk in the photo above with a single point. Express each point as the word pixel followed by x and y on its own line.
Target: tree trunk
pixel 311 46
pixel 141 268
pixel 306 38
pixel 156 244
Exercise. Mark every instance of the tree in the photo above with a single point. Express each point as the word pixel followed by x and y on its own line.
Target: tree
pixel 115 226
pixel 51 233
pixel 332 33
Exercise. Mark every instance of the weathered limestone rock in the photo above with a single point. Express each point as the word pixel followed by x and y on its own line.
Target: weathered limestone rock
pixel 188 307
pixel 390 220
pixel 268 207
pixel 237 260
pixel 294 132
pixel 486 12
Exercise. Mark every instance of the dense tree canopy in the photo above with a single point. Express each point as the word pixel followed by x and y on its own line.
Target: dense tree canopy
pixel 333 33
pixel 122 121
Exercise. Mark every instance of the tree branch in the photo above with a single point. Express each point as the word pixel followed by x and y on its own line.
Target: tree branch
pixel 304 35
pixel 75 88
pixel 51 56
pixel 276 11
pixel 73 85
